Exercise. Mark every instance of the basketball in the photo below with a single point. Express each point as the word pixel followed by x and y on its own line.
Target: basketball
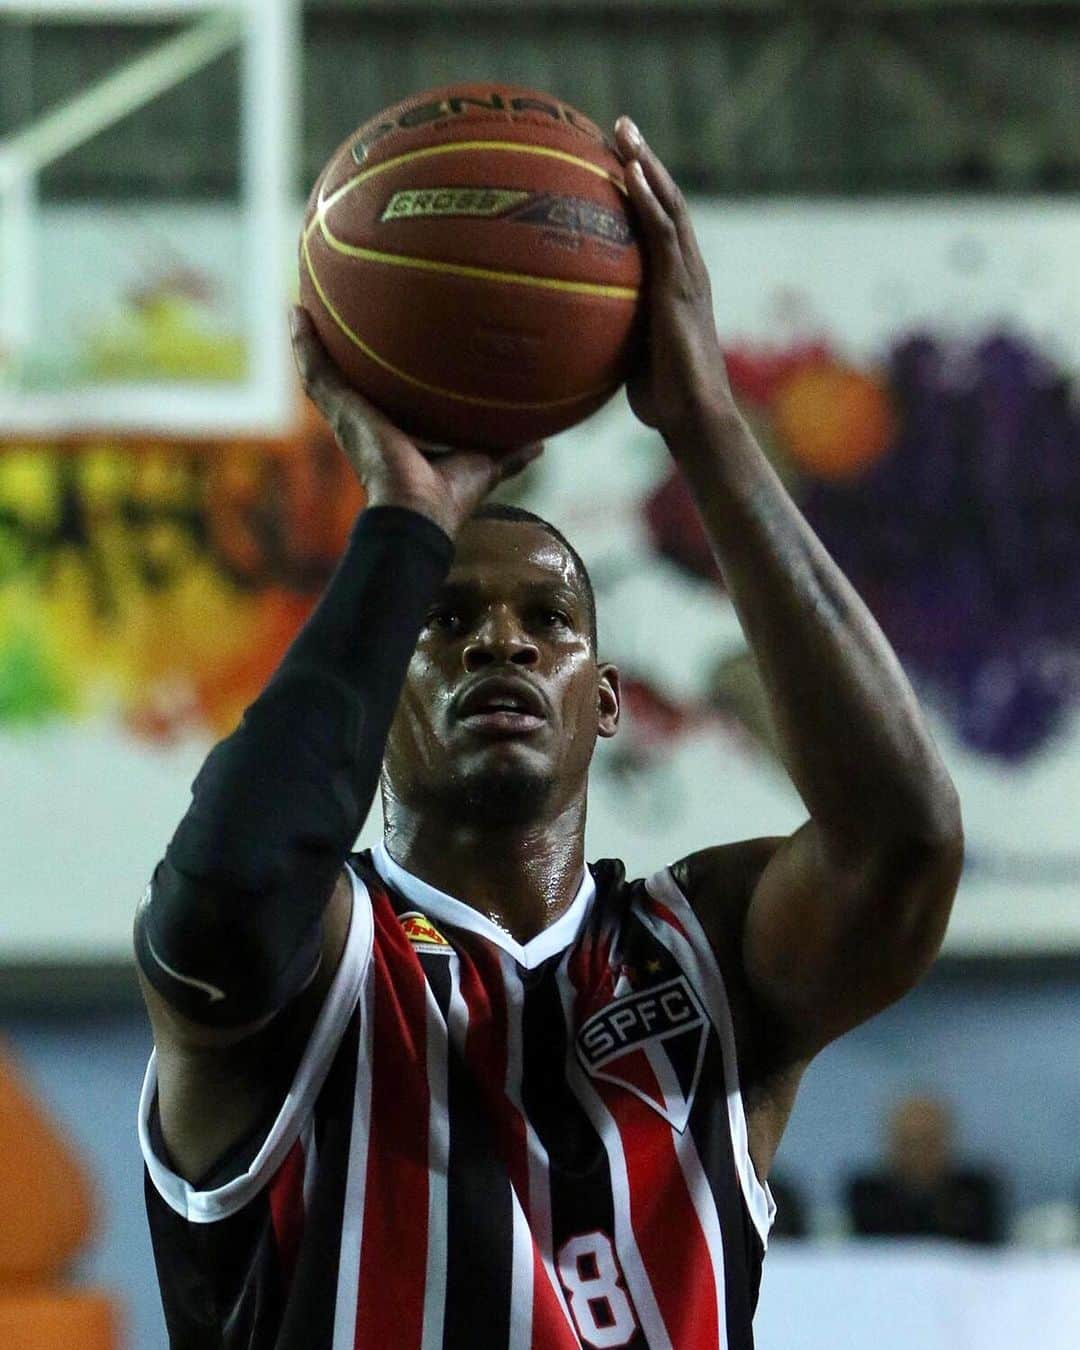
pixel 469 261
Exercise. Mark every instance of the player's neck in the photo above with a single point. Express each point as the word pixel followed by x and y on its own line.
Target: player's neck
pixel 522 878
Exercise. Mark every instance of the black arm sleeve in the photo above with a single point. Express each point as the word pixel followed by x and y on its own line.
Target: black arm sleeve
pixel 229 927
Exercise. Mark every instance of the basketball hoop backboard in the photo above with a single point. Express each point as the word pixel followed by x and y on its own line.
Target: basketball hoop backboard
pixel 146 317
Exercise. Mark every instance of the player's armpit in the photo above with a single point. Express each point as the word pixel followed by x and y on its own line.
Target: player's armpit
pixel 808 950
pixel 216 1084
pixel 719 883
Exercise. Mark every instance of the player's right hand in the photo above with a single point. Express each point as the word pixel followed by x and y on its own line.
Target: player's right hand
pixel 394 471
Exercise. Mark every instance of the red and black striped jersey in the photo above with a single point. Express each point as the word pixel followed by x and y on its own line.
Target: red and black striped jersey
pixel 486 1145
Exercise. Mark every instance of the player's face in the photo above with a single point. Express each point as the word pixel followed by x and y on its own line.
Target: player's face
pixel 504 697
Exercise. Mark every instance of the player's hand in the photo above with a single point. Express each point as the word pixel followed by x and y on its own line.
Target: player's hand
pixel 393 469
pixel 682 368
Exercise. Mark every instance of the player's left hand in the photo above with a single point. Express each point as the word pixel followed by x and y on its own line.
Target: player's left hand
pixel 681 372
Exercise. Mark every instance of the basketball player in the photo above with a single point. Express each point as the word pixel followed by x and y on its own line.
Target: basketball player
pixel 465 1090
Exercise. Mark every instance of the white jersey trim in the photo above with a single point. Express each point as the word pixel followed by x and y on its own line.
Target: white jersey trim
pixel 697 959
pixel 212 1206
pixel 438 1037
pixel 456 913
pixel 633 1266
pixel 352 1215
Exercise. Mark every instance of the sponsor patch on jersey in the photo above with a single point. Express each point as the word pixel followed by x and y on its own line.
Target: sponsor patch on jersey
pixel 652 1043
pixel 422 933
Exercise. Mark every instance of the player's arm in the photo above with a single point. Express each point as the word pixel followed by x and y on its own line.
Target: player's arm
pixel 845 915
pixel 247 913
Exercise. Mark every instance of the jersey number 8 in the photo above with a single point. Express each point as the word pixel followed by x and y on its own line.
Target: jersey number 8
pixel 599 1304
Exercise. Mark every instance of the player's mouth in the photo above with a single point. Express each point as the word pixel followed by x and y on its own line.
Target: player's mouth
pixel 501 705
pixel 500 722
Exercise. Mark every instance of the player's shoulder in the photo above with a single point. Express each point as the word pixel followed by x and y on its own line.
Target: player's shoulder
pixel 716 882
pixel 719 885
pixel 724 869
pixel 617 893
pixel 666 895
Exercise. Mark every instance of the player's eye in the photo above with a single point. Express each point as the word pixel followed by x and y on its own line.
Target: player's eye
pixel 556 618
pixel 445 619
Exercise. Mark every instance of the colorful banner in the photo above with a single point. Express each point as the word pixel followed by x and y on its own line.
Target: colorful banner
pixel 946 484
pixel 158 584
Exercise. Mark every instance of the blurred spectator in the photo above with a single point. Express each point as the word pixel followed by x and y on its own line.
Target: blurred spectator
pixel 790 1221
pixel 924 1190
pixel 1050 1226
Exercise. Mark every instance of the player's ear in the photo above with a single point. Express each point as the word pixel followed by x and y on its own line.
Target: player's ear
pixel 607 695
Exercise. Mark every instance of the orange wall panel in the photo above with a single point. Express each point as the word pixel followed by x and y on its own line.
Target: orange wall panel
pixel 45 1196
pixel 55 1321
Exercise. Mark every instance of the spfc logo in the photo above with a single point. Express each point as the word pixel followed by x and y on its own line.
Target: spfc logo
pixel 652 1043
pixel 423 934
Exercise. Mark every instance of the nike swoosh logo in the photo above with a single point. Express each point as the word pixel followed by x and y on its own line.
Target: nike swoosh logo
pixel 211 990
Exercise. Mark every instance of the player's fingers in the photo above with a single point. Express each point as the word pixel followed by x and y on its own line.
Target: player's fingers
pixel 323 382
pixel 479 465
pixel 513 463
pixel 661 237
pixel 663 185
pixel 316 370
pixel 320 377
pixel 628 139
pixel 633 146
pixel 354 421
pixel 469 475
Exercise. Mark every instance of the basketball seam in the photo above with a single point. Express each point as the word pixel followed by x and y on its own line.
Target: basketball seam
pixel 465 270
pixel 450 147
pixel 472 399
pixel 461 269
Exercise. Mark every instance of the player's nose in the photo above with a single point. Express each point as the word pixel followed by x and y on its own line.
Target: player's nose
pixel 500 639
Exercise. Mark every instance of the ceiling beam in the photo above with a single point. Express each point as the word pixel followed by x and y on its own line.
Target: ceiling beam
pixel 806 9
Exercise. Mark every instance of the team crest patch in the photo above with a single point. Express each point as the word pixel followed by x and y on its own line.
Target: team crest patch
pixel 651 1042
pixel 423 934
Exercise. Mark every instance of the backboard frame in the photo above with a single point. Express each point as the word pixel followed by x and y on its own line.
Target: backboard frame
pixel 263 403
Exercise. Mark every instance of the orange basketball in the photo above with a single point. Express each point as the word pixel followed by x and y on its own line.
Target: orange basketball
pixel 469 261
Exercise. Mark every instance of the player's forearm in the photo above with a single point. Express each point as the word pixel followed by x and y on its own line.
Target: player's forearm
pixel 848 725
pixel 235 904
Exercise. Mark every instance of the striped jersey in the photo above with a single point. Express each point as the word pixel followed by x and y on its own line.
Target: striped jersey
pixel 487 1145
